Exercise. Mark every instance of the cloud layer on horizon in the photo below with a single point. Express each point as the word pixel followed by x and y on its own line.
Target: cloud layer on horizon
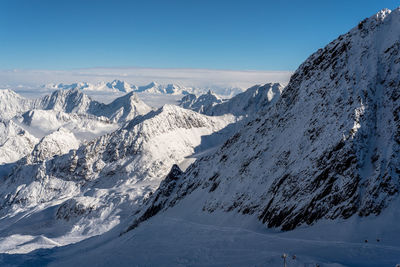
pixel 207 78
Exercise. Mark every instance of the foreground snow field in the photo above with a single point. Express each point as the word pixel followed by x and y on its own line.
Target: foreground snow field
pixel 180 238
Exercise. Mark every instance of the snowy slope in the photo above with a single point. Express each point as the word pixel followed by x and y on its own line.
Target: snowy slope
pixel 56 143
pixel 72 101
pixel 34 119
pixel 19 135
pixel 124 108
pixel 88 191
pixel 221 239
pixel 12 104
pixel 327 149
pixel 43 122
pixel 75 101
pixel 15 142
pixel 247 103
pixel 201 104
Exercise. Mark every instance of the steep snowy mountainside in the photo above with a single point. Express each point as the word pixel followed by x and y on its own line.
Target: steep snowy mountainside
pixel 70 109
pixel 201 104
pixel 250 102
pixel 69 101
pixel 37 124
pixel 15 142
pixel 58 142
pixel 89 190
pixel 124 108
pixel 12 104
pixel 328 148
pixel 247 103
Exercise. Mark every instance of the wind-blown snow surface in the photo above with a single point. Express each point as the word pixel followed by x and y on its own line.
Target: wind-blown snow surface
pixel 182 238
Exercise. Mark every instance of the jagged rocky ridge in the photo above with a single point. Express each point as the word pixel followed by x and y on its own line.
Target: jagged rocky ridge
pixel 26 121
pixel 328 148
pixel 74 101
pixel 106 177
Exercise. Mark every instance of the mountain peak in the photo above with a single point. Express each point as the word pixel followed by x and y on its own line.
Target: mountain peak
pixel 327 148
pixel 119 85
pixel 382 14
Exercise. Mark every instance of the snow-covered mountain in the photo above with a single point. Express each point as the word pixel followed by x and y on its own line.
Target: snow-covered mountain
pixel 328 148
pixel 12 104
pixel 156 88
pixel 26 121
pixel 102 180
pixel 15 142
pixel 59 142
pixel 247 103
pixel 69 101
pixel 151 88
pixel 201 104
pixel 115 85
pixel 120 86
pixel 123 108
pixel 319 158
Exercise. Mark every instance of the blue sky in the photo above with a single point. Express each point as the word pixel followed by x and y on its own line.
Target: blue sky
pixel 218 34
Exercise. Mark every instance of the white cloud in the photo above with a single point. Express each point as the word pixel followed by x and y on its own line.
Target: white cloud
pixel 141 76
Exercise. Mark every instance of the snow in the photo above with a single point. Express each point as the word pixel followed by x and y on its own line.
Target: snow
pixel 181 238
pixel 26 121
pixel 310 170
pixel 153 88
pixel 15 142
pixel 86 192
pixel 247 103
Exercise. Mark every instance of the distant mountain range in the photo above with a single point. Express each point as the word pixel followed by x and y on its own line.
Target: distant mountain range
pixel 151 88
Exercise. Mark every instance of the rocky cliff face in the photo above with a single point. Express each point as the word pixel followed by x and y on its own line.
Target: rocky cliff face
pixel 328 148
